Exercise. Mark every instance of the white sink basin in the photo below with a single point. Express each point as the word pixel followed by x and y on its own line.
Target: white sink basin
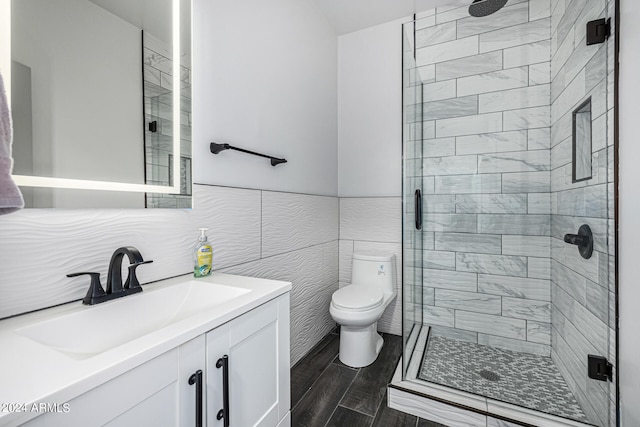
pixel 102 327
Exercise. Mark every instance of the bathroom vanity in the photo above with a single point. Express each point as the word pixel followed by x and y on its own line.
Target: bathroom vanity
pixel 212 351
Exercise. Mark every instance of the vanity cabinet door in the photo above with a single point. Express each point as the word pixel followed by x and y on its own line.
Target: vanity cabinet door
pixel 191 383
pixel 145 395
pixel 257 346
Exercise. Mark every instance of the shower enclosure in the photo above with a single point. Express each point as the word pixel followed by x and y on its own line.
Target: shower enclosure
pixel 508 153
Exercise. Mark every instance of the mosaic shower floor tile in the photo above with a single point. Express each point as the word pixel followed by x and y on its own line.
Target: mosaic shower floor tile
pixel 519 378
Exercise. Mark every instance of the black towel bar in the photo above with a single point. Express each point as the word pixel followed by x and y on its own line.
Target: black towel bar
pixel 216 148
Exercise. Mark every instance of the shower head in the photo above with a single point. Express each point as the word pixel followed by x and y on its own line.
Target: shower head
pixel 481 8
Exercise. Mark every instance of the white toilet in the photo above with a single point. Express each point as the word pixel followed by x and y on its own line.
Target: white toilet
pixel 358 306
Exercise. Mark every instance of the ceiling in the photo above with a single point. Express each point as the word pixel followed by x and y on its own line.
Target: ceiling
pixel 347 16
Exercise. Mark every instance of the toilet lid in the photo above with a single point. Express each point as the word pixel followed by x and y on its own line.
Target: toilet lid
pixel 357 297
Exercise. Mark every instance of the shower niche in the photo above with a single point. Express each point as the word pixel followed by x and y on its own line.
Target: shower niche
pixel 500 313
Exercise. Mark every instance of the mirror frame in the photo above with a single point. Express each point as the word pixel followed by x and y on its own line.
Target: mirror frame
pixel 80 184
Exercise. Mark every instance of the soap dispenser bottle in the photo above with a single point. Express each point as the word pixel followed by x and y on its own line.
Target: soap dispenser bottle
pixel 202 256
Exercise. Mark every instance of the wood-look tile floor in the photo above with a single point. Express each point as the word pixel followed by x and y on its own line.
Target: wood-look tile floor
pixel 325 392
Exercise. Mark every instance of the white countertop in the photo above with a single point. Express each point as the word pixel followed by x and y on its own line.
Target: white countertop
pixel 32 373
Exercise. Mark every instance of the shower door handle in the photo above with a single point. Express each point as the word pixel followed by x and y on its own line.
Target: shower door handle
pixel 418 208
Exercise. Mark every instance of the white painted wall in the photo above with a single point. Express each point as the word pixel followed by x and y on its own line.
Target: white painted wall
pixel 629 211
pixel 370 111
pixel 270 86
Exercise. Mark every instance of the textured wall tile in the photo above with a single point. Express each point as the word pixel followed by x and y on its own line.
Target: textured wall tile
pixel 468 184
pixel 345 259
pixel 478 243
pixel 491 143
pixel 514 287
pixel 531 53
pixel 491 203
pixel 453 280
pixel 492 264
pixel 494 81
pixel 514 344
pixel 469 66
pixel 371 219
pixel 536 246
pixel 295 221
pixel 505 38
pixel 310 299
pixel 489 324
pixel 469 301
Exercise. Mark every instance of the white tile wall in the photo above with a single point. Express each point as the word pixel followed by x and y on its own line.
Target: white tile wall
pixel 83 240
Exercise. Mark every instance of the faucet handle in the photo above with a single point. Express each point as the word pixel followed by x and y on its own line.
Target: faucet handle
pixel 132 281
pixel 95 291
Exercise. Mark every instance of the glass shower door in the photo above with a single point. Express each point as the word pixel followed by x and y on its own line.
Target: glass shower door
pixel 412 196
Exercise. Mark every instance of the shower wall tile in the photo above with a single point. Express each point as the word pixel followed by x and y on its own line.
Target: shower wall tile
pixel 526 33
pixel 514 345
pixel 509 16
pixel 492 203
pixel 438 316
pixel 491 143
pixel 517 287
pixel 492 82
pixel 534 246
pixel 468 66
pixel 468 184
pixel 489 169
pixel 532 225
pixel 469 301
pixel 467 242
pixel 526 54
pixel 515 99
pixel 492 264
pixel 470 125
pixel 447 51
pixel 520 161
pixel 490 324
pixel 539 332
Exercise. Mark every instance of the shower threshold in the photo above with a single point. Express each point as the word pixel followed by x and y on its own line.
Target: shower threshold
pixel 465 384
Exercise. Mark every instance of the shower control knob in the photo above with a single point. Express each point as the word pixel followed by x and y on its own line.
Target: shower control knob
pixel 583 240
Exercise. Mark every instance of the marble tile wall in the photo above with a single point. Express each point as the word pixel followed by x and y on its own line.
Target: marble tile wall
pixel 485 123
pixel 582 291
pixel 257 233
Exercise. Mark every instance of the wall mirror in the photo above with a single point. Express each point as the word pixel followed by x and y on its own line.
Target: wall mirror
pixel 582 142
pixel 102 112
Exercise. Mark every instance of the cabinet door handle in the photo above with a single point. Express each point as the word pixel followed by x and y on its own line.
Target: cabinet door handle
pixel 223 363
pixel 418 209
pixel 196 379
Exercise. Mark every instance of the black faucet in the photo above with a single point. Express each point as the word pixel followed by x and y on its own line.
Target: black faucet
pixel 115 289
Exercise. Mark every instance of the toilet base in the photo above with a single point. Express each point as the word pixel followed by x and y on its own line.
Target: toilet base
pixel 359 347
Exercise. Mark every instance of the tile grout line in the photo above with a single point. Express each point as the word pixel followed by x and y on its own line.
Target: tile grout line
pixel 314 381
pixel 342 397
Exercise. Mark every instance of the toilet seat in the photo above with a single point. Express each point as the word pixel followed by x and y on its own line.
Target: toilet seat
pixel 357 298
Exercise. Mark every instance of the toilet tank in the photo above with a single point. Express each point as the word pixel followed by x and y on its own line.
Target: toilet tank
pixel 374 270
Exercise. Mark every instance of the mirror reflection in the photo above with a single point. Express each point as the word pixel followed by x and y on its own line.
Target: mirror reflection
pixel 92 99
